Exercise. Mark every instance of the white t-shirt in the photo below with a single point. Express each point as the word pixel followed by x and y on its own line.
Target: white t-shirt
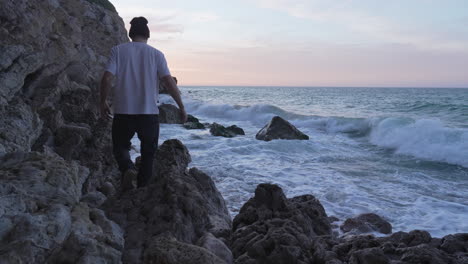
pixel 138 68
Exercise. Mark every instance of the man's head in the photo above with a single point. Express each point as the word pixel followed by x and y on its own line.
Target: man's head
pixel 139 28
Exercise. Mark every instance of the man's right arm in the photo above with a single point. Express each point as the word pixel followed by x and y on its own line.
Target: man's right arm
pixel 174 92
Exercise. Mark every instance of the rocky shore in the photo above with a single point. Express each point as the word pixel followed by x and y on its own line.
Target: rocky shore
pixel 59 185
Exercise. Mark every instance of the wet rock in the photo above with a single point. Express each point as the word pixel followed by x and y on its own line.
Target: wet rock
pixel 366 223
pixel 42 216
pixel 193 123
pixel 164 250
pixel 180 202
pixel 229 132
pixel 278 128
pixel 216 246
pixel 369 256
pixel 413 238
pixel 273 229
pixel 455 243
pixel 169 114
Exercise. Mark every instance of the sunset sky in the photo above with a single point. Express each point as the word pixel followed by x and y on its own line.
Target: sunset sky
pixel 416 43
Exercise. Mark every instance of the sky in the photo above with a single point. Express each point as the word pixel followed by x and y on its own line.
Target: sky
pixel 372 43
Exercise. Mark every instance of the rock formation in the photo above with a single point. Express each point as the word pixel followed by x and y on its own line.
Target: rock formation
pixel 193 123
pixel 169 114
pixel 273 229
pixel 218 130
pixel 179 206
pixel 278 128
pixel 58 181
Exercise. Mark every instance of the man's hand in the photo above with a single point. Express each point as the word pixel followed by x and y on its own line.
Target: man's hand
pixel 183 115
pixel 105 110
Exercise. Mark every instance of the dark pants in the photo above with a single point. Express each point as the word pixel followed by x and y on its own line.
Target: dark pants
pixel 124 128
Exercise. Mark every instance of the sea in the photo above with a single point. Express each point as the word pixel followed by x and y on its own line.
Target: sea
pixel 401 153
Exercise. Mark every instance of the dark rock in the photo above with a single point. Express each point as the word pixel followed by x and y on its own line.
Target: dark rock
pixel 169 114
pixel 193 123
pixel 191 118
pixel 180 202
pixel 165 250
pixel 369 256
pixel 425 254
pixel 236 130
pixel 229 132
pixel 216 246
pixel 273 229
pixel 455 243
pixel 413 238
pixel 278 128
pixel 366 223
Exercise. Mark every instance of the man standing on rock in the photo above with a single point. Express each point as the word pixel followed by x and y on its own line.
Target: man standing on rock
pixel 138 69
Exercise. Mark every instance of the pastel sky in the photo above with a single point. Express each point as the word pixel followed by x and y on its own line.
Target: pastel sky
pixel 416 43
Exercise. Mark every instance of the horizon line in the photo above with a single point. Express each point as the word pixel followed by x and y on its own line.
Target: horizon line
pixel 317 86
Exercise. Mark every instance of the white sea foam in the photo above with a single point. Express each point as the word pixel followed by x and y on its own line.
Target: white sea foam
pixel 426 139
pixel 347 163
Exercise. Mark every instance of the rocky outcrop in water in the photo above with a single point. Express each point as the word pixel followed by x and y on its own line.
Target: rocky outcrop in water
pixel 278 128
pixel 273 229
pixel 193 123
pixel 169 114
pixel 218 130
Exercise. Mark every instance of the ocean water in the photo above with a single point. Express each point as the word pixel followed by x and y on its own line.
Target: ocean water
pixel 399 152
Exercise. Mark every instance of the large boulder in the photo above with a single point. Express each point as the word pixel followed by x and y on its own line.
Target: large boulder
pixel 278 128
pixel 181 203
pixel 273 229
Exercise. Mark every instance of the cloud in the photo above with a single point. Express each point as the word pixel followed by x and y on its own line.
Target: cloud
pixel 378 28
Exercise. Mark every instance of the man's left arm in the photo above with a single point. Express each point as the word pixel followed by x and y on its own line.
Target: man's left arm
pixel 106 83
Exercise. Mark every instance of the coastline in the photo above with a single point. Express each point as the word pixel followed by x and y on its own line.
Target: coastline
pixel 60 198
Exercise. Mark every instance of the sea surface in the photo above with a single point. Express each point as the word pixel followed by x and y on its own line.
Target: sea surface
pixel 399 152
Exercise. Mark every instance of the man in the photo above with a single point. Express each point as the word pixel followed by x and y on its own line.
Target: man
pixel 138 68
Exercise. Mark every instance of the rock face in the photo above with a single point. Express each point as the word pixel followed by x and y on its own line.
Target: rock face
pixel 169 114
pixel 218 130
pixel 273 229
pixel 278 128
pixel 42 218
pixel 53 147
pixel 179 204
pixel 366 223
pixel 52 55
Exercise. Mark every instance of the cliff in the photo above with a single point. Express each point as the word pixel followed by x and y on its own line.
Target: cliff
pixel 59 198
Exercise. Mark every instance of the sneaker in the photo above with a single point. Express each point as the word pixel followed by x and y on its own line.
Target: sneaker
pixel 129 179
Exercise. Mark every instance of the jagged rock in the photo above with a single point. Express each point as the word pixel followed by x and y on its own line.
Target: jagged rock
pixel 455 243
pixel 216 246
pixel 278 128
pixel 413 238
pixel 169 114
pixel 221 131
pixel 366 223
pixel 39 201
pixel 193 123
pixel 184 203
pixel 52 55
pixel 163 250
pixel 93 239
pixel 272 229
pixel 369 256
